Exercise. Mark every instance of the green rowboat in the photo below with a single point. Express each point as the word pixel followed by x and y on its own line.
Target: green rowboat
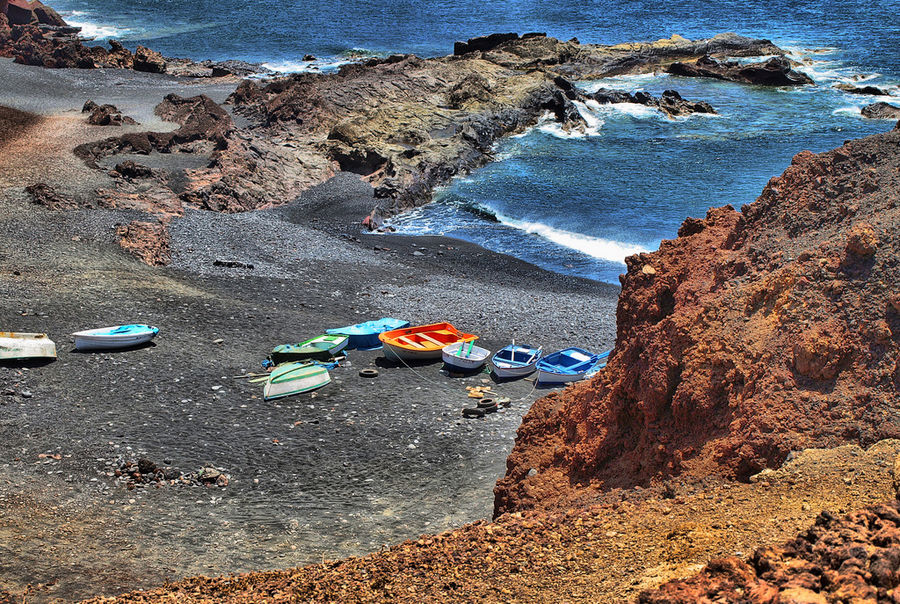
pixel 295 378
pixel 320 348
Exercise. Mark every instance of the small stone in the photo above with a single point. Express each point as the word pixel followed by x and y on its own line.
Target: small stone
pixel 648 270
pixel 532 472
pixel 26 394
pixel 218 341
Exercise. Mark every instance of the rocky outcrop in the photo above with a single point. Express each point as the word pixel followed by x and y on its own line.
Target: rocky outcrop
pixel 670 102
pixel 45 195
pixel 752 334
pixel 105 115
pixel 23 12
pixel 774 72
pixel 851 559
pixel 148 60
pixel 881 111
pixel 870 90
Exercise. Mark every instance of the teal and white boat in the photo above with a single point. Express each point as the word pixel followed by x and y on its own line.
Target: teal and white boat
pixel 320 347
pixel 295 378
pixel 117 336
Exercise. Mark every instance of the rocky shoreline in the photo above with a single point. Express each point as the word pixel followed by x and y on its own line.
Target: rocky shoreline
pixel 755 371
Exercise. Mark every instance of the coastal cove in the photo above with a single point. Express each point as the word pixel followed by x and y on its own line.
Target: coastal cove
pixel 590 200
pixel 533 188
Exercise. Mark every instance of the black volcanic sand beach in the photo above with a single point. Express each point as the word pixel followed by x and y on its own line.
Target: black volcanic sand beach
pixel 342 471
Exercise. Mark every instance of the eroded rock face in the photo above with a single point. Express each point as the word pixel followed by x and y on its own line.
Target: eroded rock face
pixel 753 334
pixel 851 559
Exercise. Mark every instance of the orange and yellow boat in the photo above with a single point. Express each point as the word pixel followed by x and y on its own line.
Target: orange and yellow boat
pixel 421 342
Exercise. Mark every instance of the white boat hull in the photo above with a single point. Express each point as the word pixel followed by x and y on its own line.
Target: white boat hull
pixel 548 377
pixel 471 358
pixel 18 346
pixel 98 342
pixel 513 371
pixel 395 353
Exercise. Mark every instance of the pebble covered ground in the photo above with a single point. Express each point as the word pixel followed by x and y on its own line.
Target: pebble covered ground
pixel 358 465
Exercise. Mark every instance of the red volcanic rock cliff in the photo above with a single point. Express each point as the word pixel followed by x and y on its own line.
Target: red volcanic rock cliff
pixel 752 334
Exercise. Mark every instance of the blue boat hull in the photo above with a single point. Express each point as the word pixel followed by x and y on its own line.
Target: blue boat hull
pixel 364 336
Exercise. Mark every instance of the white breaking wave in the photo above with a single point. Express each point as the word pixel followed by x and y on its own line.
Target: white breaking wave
pixel 855 111
pixel 92 30
pixel 592 124
pixel 595 247
pixel 631 82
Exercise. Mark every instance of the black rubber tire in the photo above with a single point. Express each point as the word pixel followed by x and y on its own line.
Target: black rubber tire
pixel 472 413
pixel 492 409
pixel 368 372
pixel 486 402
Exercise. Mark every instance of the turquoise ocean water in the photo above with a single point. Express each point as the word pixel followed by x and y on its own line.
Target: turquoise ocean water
pixel 576 203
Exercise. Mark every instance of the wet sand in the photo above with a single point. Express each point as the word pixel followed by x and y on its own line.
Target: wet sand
pixel 359 464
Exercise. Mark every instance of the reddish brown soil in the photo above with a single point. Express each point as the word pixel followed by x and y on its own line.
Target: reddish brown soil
pixel 851 559
pixel 753 334
pixel 605 552
pixel 148 241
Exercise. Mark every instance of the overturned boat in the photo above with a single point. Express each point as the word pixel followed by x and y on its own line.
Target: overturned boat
pixel 15 346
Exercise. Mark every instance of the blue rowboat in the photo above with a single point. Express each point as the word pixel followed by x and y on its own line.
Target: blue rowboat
pixel 567 365
pixel 516 360
pixel 117 336
pixel 364 336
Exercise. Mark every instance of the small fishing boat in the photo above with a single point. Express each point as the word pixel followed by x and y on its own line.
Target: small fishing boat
pixel 516 360
pixel 15 346
pixel 421 342
pixel 464 356
pixel 364 336
pixel 320 347
pixel 117 336
pixel 295 378
pixel 568 365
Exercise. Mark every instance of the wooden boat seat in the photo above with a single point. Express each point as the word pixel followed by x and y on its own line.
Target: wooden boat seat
pixel 409 342
pixel 425 336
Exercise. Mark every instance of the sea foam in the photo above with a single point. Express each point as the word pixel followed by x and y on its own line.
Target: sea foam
pixel 595 247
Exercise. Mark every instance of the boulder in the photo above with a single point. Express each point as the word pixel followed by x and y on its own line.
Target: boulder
pixel 881 111
pixel 871 90
pixel 148 60
pixel 483 43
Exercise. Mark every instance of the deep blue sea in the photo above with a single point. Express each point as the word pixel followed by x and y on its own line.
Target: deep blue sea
pixel 573 202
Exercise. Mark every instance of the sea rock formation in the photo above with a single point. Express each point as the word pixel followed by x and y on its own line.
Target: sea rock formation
pixel 881 111
pixel 670 102
pixel 403 123
pixel 753 334
pixel 851 559
pixel 777 71
pixel 870 90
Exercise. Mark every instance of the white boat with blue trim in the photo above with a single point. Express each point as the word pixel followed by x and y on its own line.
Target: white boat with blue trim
pixel 115 337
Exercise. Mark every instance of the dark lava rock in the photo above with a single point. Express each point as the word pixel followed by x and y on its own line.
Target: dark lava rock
pixel 671 103
pixel 483 43
pixel 105 115
pixel 872 90
pixel 45 195
pixel 131 169
pixel 774 72
pixel 881 111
